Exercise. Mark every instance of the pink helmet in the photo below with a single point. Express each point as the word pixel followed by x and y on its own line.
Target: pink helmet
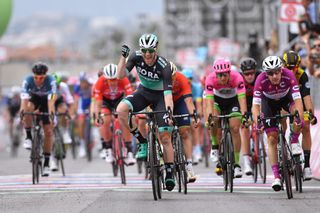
pixel 221 65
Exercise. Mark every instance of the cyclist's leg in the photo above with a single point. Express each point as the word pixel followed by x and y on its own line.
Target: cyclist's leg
pixel 270 109
pixel 62 108
pixel 106 136
pixel 245 149
pixel 295 146
pixel 306 146
pixel 28 105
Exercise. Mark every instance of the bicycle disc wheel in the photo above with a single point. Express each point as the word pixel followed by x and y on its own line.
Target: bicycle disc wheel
pixel 152 160
pixel 230 160
pixel 286 164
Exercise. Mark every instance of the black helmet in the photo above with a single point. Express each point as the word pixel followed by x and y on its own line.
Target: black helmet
pixel 248 64
pixel 40 68
pixel 291 59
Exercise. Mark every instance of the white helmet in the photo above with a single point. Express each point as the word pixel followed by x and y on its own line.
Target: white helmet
pixel 110 71
pixel 148 41
pixel 271 63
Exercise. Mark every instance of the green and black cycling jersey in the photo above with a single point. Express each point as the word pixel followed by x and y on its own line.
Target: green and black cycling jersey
pixel 156 77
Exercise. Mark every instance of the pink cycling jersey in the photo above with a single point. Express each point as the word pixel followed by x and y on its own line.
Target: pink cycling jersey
pixel 264 88
pixel 234 87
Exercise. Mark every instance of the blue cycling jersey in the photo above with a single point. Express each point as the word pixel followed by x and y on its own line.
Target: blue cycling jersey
pixel 84 97
pixel 196 90
pixel 29 88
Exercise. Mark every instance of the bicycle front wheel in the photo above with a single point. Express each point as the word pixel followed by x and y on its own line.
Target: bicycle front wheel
pixel 286 166
pixel 230 160
pixel 298 174
pixel 120 160
pixel 152 152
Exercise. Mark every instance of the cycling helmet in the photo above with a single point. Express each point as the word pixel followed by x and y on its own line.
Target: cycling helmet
pixel 291 59
pixel 83 76
pixel 40 68
pixel 173 68
pixel 188 72
pixel 148 41
pixel 248 64
pixel 221 65
pixel 110 71
pixel 271 63
pixel 57 77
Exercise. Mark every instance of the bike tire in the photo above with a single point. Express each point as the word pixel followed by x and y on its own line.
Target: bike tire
pixel 255 158
pixel 88 139
pixel 286 164
pixel 152 160
pixel 179 178
pixel 298 174
pixel 223 162
pixel 182 163
pixel 59 150
pixel 36 158
pixel 262 160
pixel 120 161
pixel 115 169
pixel 230 160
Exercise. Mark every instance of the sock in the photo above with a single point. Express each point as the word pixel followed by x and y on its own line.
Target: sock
pixel 128 146
pixel 46 159
pixel 214 141
pixel 294 137
pixel 103 144
pixel 28 133
pixel 237 158
pixel 275 170
pixel 169 169
pixel 215 147
pixel 306 158
pixel 139 136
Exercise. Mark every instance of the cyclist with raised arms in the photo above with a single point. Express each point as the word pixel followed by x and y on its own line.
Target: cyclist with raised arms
pixel 225 94
pixel 39 93
pixel 248 70
pixel 275 89
pixel 183 104
pixel 108 92
pixel 155 90
pixel 292 62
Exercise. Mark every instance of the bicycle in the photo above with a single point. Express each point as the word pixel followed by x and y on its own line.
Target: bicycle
pixel 37 142
pixel 74 138
pixel 179 156
pixel 87 135
pixel 15 136
pixel 119 149
pixel 226 150
pixel 259 164
pixel 154 161
pixel 285 157
pixel 58 146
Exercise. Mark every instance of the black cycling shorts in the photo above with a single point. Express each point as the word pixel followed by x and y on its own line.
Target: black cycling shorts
pixel 41 103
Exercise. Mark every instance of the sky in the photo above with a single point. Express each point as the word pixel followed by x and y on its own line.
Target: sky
pixel 119 9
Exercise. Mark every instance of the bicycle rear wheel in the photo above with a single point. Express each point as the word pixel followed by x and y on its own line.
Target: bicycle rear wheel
pixel 286 165
pixel 298 174
pixel 230 160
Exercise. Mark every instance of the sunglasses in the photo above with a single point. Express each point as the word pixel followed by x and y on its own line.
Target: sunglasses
pixel 316 45
pixel 273 72
pixel 39 77
pixel 150 50
pixel 225 74
pixel 248 73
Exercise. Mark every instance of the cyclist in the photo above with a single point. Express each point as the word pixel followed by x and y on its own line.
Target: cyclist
pixel 155 89
pixel 183 104
pixel 248 70
pixel 197 92
pixel 109 91
pixel 292 62
pixel 82 96
pixel 39 93
pixel 276 88
pixel 13 106
pixel 225 94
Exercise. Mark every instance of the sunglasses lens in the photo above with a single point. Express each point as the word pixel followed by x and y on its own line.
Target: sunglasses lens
pixel 150 50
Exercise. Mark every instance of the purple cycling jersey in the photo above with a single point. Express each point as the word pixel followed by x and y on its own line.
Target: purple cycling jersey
pixel 265 89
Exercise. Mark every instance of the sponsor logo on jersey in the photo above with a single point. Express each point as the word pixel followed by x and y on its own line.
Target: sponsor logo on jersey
pixel 235 109
pixel 296 88
pixel 257 93
pixel 147 73
pixel 209 87
pixel 241 85
pixel 307 84
pixel 282 84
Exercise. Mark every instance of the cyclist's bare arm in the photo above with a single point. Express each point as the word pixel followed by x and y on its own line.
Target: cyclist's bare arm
pixel 243 104
pixel 121 68
pixel 255 112
pixel 298 106
pixel 308 103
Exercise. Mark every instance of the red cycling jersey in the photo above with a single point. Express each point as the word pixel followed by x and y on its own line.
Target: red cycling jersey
pixel 180 87
pixel 111 90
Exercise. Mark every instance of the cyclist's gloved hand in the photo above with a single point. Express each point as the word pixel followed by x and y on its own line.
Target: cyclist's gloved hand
pixel 125 50
pixel 245 120
pixel 313 119
pixel 54 120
